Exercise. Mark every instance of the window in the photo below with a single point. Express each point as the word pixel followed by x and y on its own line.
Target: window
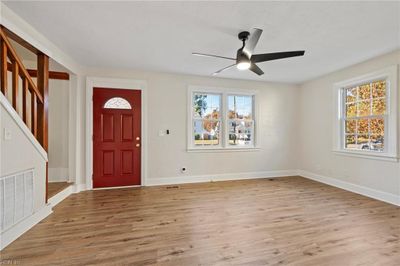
pixel 206 119
pixel 367 115
pixel 117 103
pixel 221 119
pixel 240 120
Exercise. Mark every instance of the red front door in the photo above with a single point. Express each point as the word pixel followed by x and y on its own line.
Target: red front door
pixel 116 137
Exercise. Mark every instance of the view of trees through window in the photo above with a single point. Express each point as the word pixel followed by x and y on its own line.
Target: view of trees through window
pixel 206 118
pixel 208 115
pixel 240 115
pixel 364 116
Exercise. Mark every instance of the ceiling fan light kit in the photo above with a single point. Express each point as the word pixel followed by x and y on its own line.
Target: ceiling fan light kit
pixel 245 59
pixel 243 65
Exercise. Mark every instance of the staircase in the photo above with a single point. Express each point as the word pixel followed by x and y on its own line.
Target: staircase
pixel 28 98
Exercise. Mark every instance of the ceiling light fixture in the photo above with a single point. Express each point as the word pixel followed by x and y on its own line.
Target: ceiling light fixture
pixel 245 59
pixel 243 65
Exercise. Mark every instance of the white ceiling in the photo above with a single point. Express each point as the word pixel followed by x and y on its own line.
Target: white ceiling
pixel 160 36
pixel 29 59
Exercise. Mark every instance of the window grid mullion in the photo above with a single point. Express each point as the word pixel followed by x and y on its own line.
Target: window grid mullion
pixel 248 133
pixel 358 118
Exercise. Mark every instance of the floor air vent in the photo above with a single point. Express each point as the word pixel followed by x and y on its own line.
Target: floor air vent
pixel 171 187
pixel 16 198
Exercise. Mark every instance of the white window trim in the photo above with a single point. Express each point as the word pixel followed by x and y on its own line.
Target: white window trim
pixel 391 125
pixel 223 146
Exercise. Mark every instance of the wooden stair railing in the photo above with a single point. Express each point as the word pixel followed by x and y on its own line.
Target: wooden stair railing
pixel 38 121
pixel 38 93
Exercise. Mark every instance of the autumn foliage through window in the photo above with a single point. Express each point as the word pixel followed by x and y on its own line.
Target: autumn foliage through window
pixel 364 116
pixel 222 120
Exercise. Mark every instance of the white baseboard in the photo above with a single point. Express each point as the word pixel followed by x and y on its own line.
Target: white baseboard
pixel 217 177
pixel 58 174
pixel 362 190
pixel 365 191
pixel 79 187
pixel 20 228
pixel 60 196
pixel 73 188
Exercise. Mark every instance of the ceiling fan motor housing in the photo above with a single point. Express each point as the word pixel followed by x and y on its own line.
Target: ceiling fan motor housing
pixel 244 35
pixel 241 57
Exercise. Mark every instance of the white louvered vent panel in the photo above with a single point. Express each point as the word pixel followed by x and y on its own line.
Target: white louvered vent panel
pixel 9 202
pixel 28 208
pixel 1 203
pixel 16 198
pixel 19 197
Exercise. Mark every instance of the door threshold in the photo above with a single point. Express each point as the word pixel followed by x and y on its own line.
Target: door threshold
pixel 104 188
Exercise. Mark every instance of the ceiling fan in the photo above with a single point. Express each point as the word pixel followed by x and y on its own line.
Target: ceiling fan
pixel 245 59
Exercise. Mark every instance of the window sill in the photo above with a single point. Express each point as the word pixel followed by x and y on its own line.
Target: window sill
pixel 367 155
pixel 252 149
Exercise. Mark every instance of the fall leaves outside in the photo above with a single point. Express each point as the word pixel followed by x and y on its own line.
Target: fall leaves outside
pixel 365 109
pixel 207 119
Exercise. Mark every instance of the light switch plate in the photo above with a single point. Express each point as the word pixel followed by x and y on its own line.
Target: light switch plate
pixel 7 134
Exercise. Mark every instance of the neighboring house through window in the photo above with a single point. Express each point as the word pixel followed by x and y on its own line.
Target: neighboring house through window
pixel 366 117
pixel 240 120
pixel 221 118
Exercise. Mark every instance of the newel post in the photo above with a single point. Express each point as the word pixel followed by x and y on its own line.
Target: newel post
pixel 43 87
pixel 42 108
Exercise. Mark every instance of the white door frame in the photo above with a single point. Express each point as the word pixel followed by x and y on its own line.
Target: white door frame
pixel 114 83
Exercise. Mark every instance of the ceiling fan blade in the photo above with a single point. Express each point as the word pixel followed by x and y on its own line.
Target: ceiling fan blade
pixel 212 55
pixel 256 69
pixel 223 69
pixel 248 49
pixel 275 56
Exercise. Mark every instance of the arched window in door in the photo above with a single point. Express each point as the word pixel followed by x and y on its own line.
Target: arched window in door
pixel 117 103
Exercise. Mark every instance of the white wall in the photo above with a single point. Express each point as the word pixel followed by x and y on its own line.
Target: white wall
pixel 316 142
pixel 167 109
pixel 58 129
pixel 18 154
pixel 77 131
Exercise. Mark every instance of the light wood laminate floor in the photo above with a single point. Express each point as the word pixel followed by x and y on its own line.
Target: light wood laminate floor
pixel 284 221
